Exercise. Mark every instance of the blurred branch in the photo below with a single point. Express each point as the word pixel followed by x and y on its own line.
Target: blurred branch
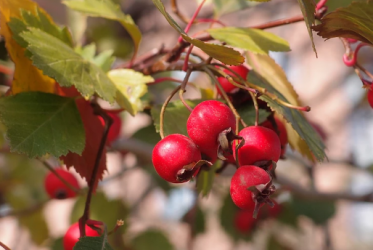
pixel 175 9
pixel 4 246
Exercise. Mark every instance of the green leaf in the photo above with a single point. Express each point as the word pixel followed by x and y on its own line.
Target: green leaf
pixel 151 239
pixel 319 211
pixel 296 119
pixel 308 9
pixel 67 67
pixel 93 243
pixel 107 9
pixel 222 7
pixel 353 21
pixel 100 206
pixel 205 179
pixel 254 40
pixel 248 114
pixel 104 60
pixel 274 244
pixel 40 123
pixel 147 134
pixel 36 225
pixel 224 54
pixel 40 21
pixel 57 244
pixel 131 86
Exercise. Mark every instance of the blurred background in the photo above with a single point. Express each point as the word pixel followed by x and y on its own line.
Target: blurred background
pixel 158 215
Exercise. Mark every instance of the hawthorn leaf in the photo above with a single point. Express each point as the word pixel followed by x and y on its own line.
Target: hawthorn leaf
pixel 57 244
pixel 131 86
pixel 308 10
pixel 151 239
pixel 205 179
pixel 59 61
pixel 354 21
pixel 104 60
pixel 94 129
pixel 26 77
pixel 219 52
pixel 94 243
pixel 107 9
pixel 294 117
pixel 42 123
pixel 222 7
pixel 318 211
pixel 254 40
pixel 248 114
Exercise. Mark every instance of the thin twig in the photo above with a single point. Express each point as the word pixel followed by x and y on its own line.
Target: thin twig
pixel 108 122
pixel 161 117
pixel 175 10
pixel 182 89
pixel 4 246
pixel 364 70
pixel 187 28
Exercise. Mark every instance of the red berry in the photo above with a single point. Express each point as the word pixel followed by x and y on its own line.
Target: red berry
pixel 227 86
pixel 370 97
pixel 244 178
pixel 244 221
pixel 73 234
pixel 280 131
pixel 115 128
pixel 172 154
pixel 56 189
pixel 207 120
pixel 261 144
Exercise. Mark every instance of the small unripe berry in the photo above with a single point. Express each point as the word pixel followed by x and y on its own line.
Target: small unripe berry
pixel 227 86
pixel 72 235
pixel 56 189
pixel 174 153
pixel 207 120
pixel 261 144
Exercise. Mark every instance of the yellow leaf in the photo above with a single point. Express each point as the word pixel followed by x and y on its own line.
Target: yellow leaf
pixel 26 76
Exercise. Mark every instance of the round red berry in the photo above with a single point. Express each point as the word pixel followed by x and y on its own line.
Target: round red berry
pixel 261 144
pixel 72 235
pixel 174 153
pixel 280 131
pixel 56 189
pixel 370 97
pixel 227 86
pixel 244 178
pixel 207 120
pixel 244 221
pixel 115 127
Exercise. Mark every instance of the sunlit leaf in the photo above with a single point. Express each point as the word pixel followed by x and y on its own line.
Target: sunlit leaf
pixel 353 21
pixel 224 54
pixel 222 7
pixel 308 9
pixel 41 123
pixel 254 40
pixel 131 86
pixel 104 60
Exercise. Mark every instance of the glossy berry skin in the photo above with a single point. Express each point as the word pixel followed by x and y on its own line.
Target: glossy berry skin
pixel 115 128
pixel 172 153
pixel 244 178
pixel 207 120
pixel 56 189
pixel 370 97
pixel 72 235
pixel 261 144
pixel 244 221
pixel 227 86
pixel 281 132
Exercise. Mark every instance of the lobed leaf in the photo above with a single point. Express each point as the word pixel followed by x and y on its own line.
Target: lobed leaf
pixel 222 53
pixel 26 76
pixel 104 60
pixel 107 9
pixel 308 9
pixel 354 21
pixel 254 40
pixel 41 123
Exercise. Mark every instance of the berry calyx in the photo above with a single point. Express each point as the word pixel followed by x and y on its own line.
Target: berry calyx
pixel 251 186
pixel 227 86
pixel 370 97
pixel 72 235
pixel 279 127
pixel 261 144
pixel 244 221
pixel 175 158
pixel 210 125
pixel 115 128
pixel 56 189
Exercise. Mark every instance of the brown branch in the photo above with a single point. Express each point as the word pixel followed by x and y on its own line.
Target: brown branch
pixel 4 246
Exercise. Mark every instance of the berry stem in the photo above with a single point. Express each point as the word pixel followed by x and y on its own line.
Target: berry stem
pixel 161 117
pixel 364 70
pixel 186 60
pixel 187 28
pixel 350 62
pixel 320 4
pixel 108 122
pixel 256 106
pixel 225 96
pixel 4 246
pixel 50 168
pixel 182 89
